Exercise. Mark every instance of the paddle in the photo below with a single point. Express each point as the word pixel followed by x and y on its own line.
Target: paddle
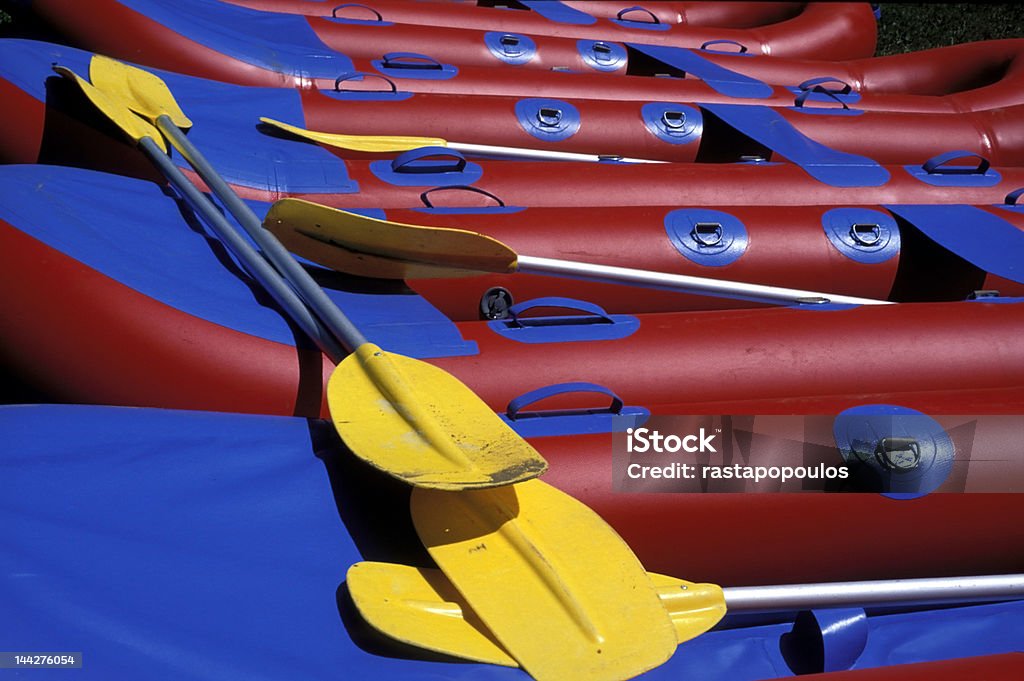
pixel 392 143
pixel 380 248
pixel 582 605
pixel 535 556
pixel 405 417
pixel 418 606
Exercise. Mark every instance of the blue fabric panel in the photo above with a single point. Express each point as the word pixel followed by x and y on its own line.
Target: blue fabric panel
pixel 278 42
pixel 521 51
pixel 903 473
pixel 718 78
pixel 979 237
pixel 227 131
pixel 559 13
pixel 601 55
pixel 826 165
pixel 135 234
pixel 868 248
pixel 27 63
pixel 226 119
pixel 181 545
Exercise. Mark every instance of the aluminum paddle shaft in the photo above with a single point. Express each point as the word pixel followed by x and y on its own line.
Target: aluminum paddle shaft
pixel 682 282
pixel 324 308
pixel 892 592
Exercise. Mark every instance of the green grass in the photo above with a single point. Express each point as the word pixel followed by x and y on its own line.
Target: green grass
pixel 907 27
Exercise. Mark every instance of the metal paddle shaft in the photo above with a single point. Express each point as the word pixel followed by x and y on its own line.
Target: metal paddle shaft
pixel 392 143
pixel 893 592
pixel 682 282
pixel 540 154
pixel 332 317
pixel 251 260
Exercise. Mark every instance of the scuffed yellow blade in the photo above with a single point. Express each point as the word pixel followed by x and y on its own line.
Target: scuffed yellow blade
pixel 143 92
pixel 120 115
pixel 330 237
pixel 422 425
pixel 556 586
pixel 420 607
pixel 367 143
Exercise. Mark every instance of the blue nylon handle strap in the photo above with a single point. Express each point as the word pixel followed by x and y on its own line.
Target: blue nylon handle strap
pixel 334 12
pixel 410 60
pixel 412 161
pixel 724 41
pixel 621 15
pixel 1011 198
pixel 935 172
pixel 425 196
pixel 360 75
pixel 821 80
pixel 937 164
pixel 526 399
pixel 554 301
pixel 807 92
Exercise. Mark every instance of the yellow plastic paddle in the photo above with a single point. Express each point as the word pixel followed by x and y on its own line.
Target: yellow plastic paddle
pixel 557 587
pixel 420 607
pixel 393 143
pixel 530 545
pixel 367 143
pixel 369 247
pixel 403 416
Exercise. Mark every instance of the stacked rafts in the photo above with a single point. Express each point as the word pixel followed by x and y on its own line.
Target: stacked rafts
pixel 323 285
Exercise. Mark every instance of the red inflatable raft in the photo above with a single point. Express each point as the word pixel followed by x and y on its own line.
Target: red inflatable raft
pixel 233 44
pixel 824 30
pixel 197 331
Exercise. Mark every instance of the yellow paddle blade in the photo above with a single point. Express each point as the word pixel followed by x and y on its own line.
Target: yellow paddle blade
pixel 141 91
pixel 130 124
pixel 422 425
pixel 420 607
pixel 557 587
pixel 337 239
pixel 368 143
